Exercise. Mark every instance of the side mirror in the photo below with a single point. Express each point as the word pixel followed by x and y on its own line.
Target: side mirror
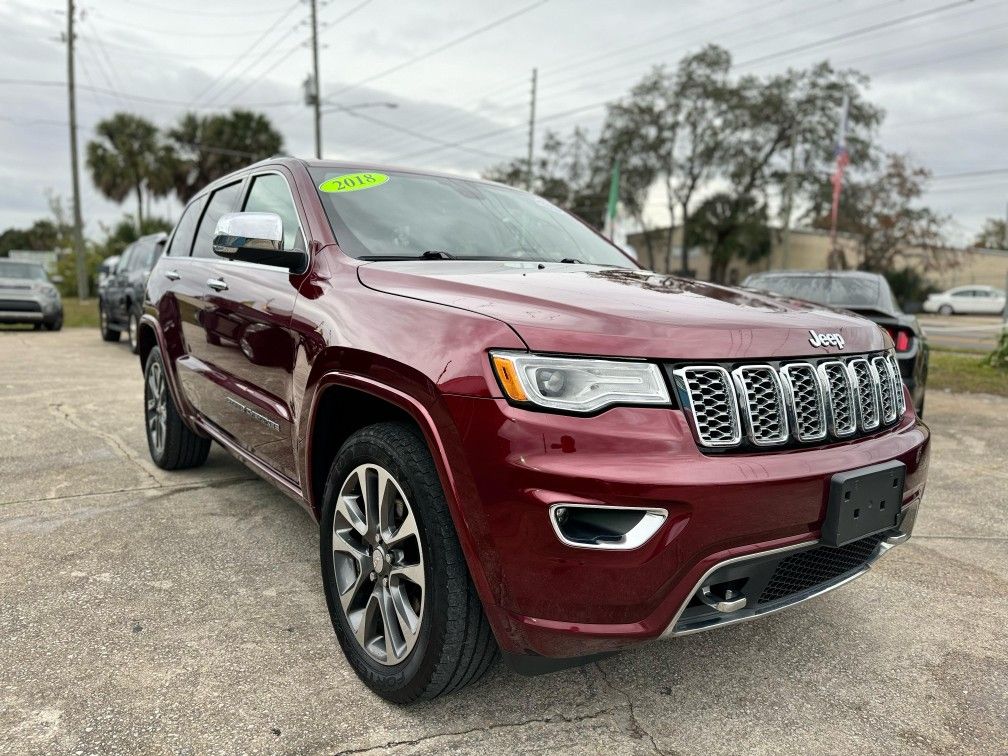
pixel 256 238
pixel 56 279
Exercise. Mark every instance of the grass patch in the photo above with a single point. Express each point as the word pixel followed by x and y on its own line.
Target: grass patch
pixel 962 372
pixel 80 313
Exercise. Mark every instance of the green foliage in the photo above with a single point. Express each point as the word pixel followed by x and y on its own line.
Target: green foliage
pixel 42 235
pixel 128 157
pixel 881 209
pixel 732 229
pixel 994 234
pixel 999 357
pixel 207 147
pixel 909 286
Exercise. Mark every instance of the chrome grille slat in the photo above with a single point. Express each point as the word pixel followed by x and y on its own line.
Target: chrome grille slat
pixel 900 398
pixel 818 400
pixel 842 416
pixel 713 404
pixel 805 402
pixel 866 393
pixel 887 388
pixel 762 404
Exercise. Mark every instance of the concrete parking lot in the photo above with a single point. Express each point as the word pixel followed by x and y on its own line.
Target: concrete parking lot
pixel 147 612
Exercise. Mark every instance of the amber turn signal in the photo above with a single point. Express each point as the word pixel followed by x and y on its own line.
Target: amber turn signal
pixel 505 370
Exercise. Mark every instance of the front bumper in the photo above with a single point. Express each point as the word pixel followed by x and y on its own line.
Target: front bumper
pixel 27 308
pixel 552 600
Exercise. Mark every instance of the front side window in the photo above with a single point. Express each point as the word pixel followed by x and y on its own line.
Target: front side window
pixel 222 201
pixel 271 194
pixel 125 258
pixel 182 239
pixel 403 215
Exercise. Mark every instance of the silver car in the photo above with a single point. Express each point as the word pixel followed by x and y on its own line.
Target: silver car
pixel 28 296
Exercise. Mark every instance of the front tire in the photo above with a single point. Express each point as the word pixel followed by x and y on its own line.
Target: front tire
pixel 108 333
pixel 56 323
pixel 400 598
pixel 172 444
pixel 945 310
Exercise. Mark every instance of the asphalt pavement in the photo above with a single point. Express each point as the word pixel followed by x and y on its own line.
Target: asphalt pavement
pixel 151 612
pixel 965 333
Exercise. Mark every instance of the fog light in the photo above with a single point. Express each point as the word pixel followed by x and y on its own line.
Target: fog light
pixel 597 526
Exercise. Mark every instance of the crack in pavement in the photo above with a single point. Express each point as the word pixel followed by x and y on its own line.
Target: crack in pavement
pixel 630 707
pixel 168 488
pixel 123 449
pixel 472 731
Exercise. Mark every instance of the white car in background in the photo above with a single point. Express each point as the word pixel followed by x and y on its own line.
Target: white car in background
pixel 967 300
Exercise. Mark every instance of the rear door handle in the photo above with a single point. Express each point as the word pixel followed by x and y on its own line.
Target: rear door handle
pixel 172 275
pixel 217 284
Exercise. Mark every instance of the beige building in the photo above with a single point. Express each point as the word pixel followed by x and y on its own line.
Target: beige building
pixel 809 250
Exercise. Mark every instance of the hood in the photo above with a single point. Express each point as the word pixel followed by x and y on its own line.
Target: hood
pixel 582 309
pixel 24 284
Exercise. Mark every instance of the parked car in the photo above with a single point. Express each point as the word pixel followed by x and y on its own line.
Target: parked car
pixel 511 436
pixel 120 297
pixel 967 300
pixel 27 295
pixel 106 269
pixel 869 295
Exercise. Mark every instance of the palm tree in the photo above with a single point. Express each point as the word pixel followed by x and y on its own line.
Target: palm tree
pixel 128 156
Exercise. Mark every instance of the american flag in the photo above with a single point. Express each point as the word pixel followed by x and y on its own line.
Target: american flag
pixel 842 160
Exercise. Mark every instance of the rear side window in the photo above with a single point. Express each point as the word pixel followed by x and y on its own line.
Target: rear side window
pixel 222 201
pixel 271 194
pixel 125 259
pixel 181 241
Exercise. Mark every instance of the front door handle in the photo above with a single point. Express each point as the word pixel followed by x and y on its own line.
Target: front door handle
pixel 172 275
pixel 217 284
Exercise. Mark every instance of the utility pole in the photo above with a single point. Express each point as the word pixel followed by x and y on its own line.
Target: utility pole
pixel 317 100
pixel 788 201
pixel 531 134
pixel 78 238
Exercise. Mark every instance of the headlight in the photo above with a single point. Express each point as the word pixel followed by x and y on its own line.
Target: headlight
pixel 573 384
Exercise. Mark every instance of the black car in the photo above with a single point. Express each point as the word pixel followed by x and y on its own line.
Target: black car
pixel 868 295
pixel 121 293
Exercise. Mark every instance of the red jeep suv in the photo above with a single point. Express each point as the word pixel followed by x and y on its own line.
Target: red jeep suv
pixel 513 438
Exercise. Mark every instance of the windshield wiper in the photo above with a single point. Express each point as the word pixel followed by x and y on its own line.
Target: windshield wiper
pixel 436 254
pixel 571 261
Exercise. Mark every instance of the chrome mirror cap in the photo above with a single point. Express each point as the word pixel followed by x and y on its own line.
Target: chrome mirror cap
pixel 237 231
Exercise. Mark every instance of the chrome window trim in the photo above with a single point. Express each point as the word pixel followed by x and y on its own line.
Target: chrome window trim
pixel 741 385
pixel 789 401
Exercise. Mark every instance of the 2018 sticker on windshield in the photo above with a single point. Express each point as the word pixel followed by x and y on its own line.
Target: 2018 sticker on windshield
pixel 352 182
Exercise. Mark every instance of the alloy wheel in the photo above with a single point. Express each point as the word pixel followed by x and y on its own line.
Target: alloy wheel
pixel 378 564
pixel 156 407
pixel 133 327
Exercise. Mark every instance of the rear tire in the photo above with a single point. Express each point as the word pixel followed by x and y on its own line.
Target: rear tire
pixel 946 310
pixel 172 444
pixel 108 333
pixel 450 644
pixel 134 330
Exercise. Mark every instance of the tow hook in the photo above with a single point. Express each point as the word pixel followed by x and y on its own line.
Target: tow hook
pixel 732 601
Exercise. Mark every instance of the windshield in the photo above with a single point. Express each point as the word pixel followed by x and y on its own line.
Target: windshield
pixel 26 271
pixel 841 291
pixel 404 215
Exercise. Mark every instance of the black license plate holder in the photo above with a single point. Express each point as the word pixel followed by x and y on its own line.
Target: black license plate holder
pixel 863 502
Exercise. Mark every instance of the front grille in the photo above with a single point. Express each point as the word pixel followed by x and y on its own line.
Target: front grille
pixel 715 410
pixel 772 404
pixel 19 305
pixel 818 566
pixel 762 404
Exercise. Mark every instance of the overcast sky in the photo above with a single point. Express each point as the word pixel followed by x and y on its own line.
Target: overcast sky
pixel 941 78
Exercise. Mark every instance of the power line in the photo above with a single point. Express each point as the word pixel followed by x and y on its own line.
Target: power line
pixel 441 48
pixel 426 137
pixel 244 12
pixel 139 98
pixel 241 56
pixel 188 33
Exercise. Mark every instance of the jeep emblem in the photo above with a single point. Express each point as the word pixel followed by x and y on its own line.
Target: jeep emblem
pixel 826 339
